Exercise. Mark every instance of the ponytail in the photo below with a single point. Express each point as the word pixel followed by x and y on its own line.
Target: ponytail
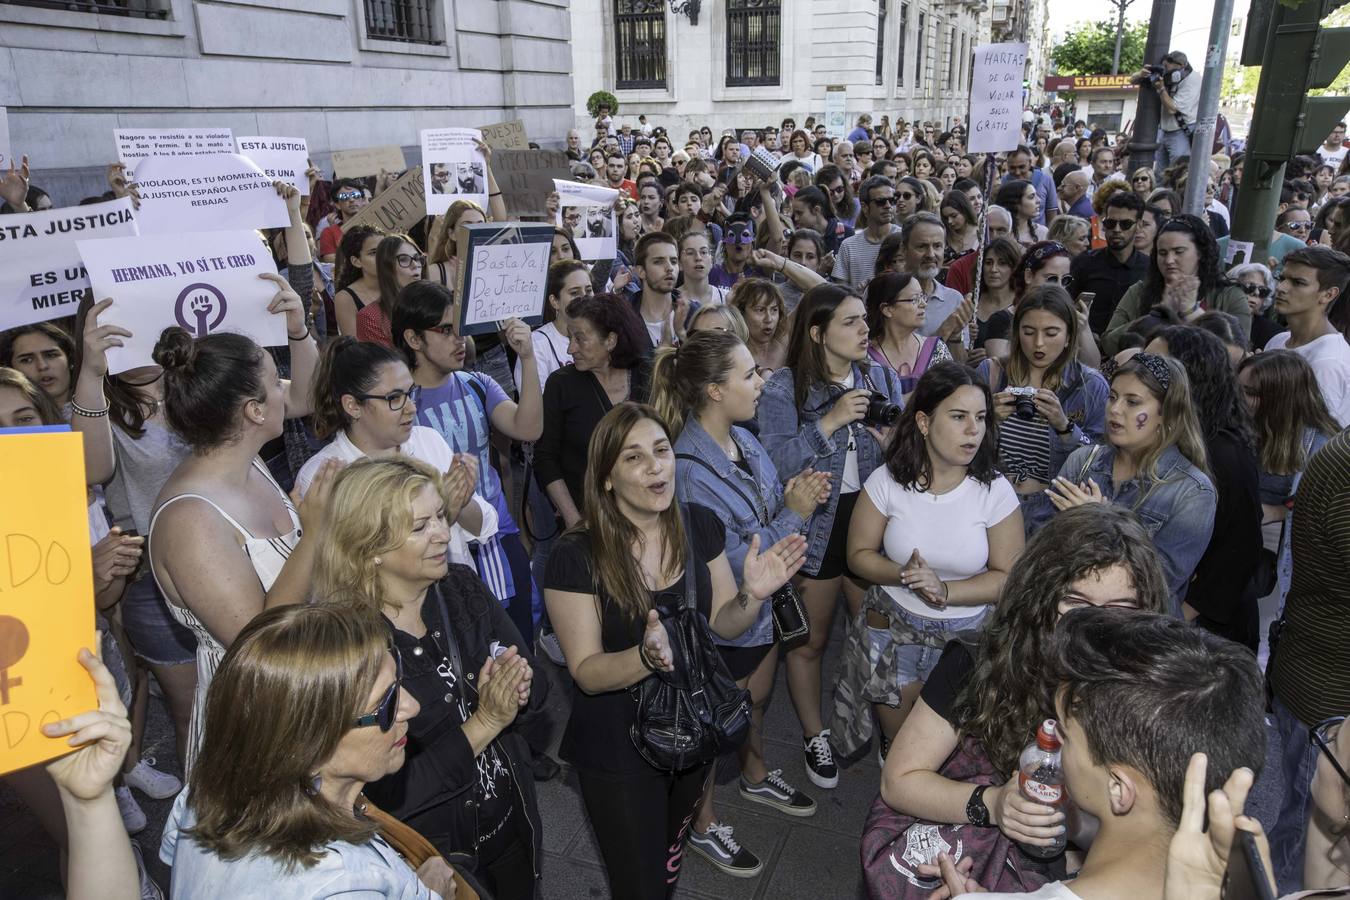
pixel 347 366
pixel 680 375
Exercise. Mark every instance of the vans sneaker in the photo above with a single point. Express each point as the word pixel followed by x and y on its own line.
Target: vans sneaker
pixel 820 766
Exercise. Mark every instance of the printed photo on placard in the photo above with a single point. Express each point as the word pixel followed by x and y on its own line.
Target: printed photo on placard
pixel 587 213
pixel 453 169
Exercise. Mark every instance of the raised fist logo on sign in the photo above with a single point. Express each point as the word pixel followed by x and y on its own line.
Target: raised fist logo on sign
pixel 200 309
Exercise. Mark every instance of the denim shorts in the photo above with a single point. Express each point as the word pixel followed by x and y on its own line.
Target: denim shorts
pixel 155 635
pixel 909 650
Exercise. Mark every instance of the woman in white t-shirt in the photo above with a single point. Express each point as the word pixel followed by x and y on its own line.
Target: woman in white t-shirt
pixel 935 531
pixel 361 394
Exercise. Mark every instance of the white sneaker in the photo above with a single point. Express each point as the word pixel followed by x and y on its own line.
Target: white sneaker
pixel 151 782
pixel 133 817
pixel 552 647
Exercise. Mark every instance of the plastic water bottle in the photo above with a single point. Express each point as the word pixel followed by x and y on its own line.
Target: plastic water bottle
pixel 1041 780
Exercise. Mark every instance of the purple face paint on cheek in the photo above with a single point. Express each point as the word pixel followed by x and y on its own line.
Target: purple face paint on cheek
pixel 1140 420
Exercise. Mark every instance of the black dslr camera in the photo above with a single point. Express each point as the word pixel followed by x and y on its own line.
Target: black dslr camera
pixel 1152 74
pixel 881 412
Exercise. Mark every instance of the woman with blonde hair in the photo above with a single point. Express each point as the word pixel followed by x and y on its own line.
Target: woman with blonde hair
pixel 723 318
pixel 466 782
pixel 1142 182
pixel 760 303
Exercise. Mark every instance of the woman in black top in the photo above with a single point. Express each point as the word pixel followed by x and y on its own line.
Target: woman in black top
pixel 605 341
pixel 466 784
pixel 1092 555
pixel 1222 596
pixel 609 583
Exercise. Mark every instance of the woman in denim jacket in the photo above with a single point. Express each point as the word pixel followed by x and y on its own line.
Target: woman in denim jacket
pixel 702 389
pixel 1153 463
pixel 1068 406
pixel 813 415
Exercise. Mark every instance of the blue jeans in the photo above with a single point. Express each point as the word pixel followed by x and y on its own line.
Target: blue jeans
pixel 1172 145
pixel 1298 761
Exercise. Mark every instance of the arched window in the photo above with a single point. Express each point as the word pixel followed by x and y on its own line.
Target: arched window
pixel 753 31
pixel 639 44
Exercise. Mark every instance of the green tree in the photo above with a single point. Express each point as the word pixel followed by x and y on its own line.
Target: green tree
pixel 1087 49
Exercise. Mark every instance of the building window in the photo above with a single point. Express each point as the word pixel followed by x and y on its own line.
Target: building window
pixel 881 38
pixel 904 36
pixel 919 80
pixel 639 44
pixel 410 21
pixel 136 9
pixel 753 29
pixel 951 58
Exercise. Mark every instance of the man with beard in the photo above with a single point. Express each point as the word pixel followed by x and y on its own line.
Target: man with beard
pixel 856 260
pixel 616 168
pixel 923 240
pixel 657 263
pixel 440 177
pixel 1020 167
pixel 598 221
pixel 1108 272
pixel 572 221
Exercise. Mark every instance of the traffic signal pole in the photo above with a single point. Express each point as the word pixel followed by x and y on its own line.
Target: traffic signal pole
pixel 1202 140
pixel 1148 114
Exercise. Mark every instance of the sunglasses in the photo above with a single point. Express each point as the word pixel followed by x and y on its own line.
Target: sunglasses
pixel 408 260
pixel 387 711
pixel 1322 735
pixel 1142 179
pixel 1119 224
pixel 883 201
pixel 1297 226
pixel 396 399
pixel 586 176
pixel 347 195
pixel 1064 281
pixel 1256 290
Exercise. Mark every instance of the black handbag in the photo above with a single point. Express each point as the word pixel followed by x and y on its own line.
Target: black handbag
pixel 687 717
pixel 790 624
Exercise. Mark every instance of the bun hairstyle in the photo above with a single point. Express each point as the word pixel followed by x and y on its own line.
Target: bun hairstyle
pixel 348 366
pixel 206 382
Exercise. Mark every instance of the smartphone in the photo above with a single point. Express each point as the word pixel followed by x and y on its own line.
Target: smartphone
pixel 1246 877
pixel 1086 298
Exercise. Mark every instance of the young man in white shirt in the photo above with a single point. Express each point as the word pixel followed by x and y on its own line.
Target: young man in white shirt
pixel 1333 149
pixel 1313 280
pixel 1138 694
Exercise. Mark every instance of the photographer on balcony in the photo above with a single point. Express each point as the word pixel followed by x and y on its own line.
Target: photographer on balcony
pixel 1179 92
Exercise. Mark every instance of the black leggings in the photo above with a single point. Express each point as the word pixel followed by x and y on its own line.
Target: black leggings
pixel 640 823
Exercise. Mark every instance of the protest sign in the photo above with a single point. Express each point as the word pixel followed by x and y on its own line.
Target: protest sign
pixel 503 273
pixel 5 158
pixel 279 157
pixel 397 209
pixel 46 593
pixel 525 178
pixel 836 119
pixel 587 213
pixel 206 193
pixel 506 135
pixel 136 144
pixel 996 97
pixel 41 276
pixel 204 281
pixel 453 168
pixel 368 161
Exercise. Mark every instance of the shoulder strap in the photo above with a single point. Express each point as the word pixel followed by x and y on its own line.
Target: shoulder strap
pixel 478 390
pixel 1087 463
pixel 754 507
pixel 690 585
pixel 223 514
pixel 925 353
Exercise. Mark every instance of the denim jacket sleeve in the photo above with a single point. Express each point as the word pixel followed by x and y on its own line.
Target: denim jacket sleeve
pixel 1182 538
pixel 1085 408
pixel 697 485
pixel 792 443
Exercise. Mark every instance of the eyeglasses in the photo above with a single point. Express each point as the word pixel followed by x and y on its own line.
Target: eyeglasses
pixel 396 399
pixel 1064 281
pixel 408 260
pixel 445 329
pixel 1323 735
pixel 1256 290
pixel 347 195
pixel 883 201
pixel 1142 178
pixel 1297 226
pixel 584 176
pixel 1119 224
pixel 1070 603
pixel 837 189
pixel 387 711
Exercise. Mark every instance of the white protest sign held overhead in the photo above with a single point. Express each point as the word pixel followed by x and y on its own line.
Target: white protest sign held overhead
pixel 136 144
pixel 586 212
pixel 206 193
pixel 206 282
pixel 5 157
pixel 279 157
pixel 452 168
pixel 996 97
pixel 41 275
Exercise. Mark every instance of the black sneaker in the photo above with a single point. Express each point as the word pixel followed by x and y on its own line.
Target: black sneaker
pixel 774 791
pixel 718 846
pixel 820 767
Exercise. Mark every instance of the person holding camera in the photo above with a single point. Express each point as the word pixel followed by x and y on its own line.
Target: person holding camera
pixel 935 531
pixel 1179 93
pixel 1047 404
pixel 828 409
pixel 702 389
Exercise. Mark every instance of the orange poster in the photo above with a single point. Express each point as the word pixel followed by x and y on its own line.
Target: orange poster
pixel 46 593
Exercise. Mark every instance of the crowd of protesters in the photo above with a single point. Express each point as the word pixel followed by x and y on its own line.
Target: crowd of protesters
pixel 1014 409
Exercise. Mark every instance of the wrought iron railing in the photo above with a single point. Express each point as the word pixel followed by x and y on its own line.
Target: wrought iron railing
pixel 410 21
pixel 136 9
pixel 639 44
pixel 754 28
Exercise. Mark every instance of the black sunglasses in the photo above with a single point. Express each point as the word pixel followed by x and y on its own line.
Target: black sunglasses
pixel 1321 735
pixel 387 711
pixel 1256 290
pixel 1119 224
pixel 883 201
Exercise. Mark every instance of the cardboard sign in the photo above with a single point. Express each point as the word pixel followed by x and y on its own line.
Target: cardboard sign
pixel 503 274
pixel 280 158
pixel 46 593
pixel 206 193
pixel 368 161
pixel 397 209
pixel 525 178
pixel 136 144
pixel 204 281
pixel 587 211
pixel 453 168
pixel 506 135
pixel 996 97
pixel 41 276
pixel 5 157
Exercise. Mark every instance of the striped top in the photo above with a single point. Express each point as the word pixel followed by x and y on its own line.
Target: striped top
pixel 1311 673
pixel 268 556
pixel 1024 449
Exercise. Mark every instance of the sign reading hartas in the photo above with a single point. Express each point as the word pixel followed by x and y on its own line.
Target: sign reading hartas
pixel 503 273
pixel 279 157
pixel 41 276
pixel 136 144
pixel 452 167
pixel 205 282
pixel 206 193
pixel 587 213
pixel 996 97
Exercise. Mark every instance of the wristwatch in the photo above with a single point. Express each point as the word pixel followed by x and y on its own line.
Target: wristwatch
pixel 976 812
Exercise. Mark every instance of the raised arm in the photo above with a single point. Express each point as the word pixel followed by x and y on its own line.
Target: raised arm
pixel 87 398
